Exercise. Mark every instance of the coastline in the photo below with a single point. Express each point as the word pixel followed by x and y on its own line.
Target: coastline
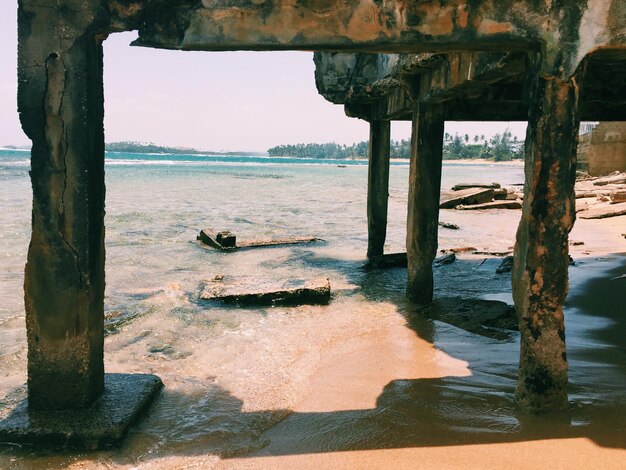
pixel 364 382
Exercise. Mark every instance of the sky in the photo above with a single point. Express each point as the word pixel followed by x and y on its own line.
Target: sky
pixel 221 101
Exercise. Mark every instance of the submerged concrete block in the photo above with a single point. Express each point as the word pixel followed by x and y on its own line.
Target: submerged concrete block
pixel 256 291
pixel 125 400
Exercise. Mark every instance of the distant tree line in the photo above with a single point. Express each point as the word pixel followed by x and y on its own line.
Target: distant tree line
pixel 141 147
pixel 501 147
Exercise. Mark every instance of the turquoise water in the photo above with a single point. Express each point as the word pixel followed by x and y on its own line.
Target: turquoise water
pixel 218 360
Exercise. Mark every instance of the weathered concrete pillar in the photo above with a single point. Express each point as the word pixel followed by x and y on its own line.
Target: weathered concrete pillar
pixel 423 208
pixel 378 187
pixel 541 250
pixel 60 100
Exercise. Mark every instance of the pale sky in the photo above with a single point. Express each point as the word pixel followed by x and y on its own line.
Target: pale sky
pixel 208 100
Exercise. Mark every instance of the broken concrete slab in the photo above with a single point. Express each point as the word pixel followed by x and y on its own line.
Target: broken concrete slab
pixel 490 318
pixel 125 400
pixel 506 266
pixel 445 259
pixel 613 179
pixel 263 242
pixel 605 211
pixel 258 291
pixel 618 196
pixel 227 241
pixel 399 260
pixel 466 196
pixel 461 186
pixel 491 205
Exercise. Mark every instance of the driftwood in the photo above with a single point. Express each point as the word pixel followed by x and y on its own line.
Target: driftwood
pixel 466 196
pixel 227 241
pixel 256 291
pixel 491 205
pixel 603 212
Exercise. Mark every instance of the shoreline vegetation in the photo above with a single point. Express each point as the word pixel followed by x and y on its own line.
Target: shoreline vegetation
pixel 500 148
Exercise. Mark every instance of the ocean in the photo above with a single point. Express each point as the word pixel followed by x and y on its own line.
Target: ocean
pixel 233 373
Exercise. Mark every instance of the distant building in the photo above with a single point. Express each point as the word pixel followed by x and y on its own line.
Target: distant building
pixel 602 147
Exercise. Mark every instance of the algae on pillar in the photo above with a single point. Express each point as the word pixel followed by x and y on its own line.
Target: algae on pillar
pixel 423 208
pixel 378 187
pixel 541 250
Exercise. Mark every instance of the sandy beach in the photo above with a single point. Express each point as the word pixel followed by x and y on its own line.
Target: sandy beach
pixel 367 381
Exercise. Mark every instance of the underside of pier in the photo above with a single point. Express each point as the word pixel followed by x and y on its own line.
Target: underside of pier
pixel 548 63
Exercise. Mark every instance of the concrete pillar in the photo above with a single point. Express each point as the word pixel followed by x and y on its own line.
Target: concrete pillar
pixel 541 250
pixel 60 100
pixel 378 187
pixel 423 208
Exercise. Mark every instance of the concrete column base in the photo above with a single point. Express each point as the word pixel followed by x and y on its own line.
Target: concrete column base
pixel 125 400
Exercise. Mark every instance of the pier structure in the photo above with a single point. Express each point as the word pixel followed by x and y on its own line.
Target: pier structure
pixel 551 63
pixel 431 88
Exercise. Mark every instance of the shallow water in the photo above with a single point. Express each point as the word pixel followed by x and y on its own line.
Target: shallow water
pixel 260 380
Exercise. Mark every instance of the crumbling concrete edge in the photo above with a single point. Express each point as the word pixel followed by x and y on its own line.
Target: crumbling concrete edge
pixel 125 401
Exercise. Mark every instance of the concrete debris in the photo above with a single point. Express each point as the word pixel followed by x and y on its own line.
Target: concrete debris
pixel 257 291
pixel 461 186
pixel 492 205
pixel 227 241
pixel 448 225
pixel 604 211
pixel 466 196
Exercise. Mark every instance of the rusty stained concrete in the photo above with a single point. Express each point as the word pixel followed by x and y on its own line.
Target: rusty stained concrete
pixel 60 100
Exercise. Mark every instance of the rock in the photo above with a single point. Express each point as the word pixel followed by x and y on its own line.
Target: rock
pixel 618 196
pixel 603 212
pixel 612 179
pixel 461 186
pixel 446 259
pixel 492 205
pixel 506 266
pixel 466 196
pixel 504 195
pixel 258 291
pixel 450 226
